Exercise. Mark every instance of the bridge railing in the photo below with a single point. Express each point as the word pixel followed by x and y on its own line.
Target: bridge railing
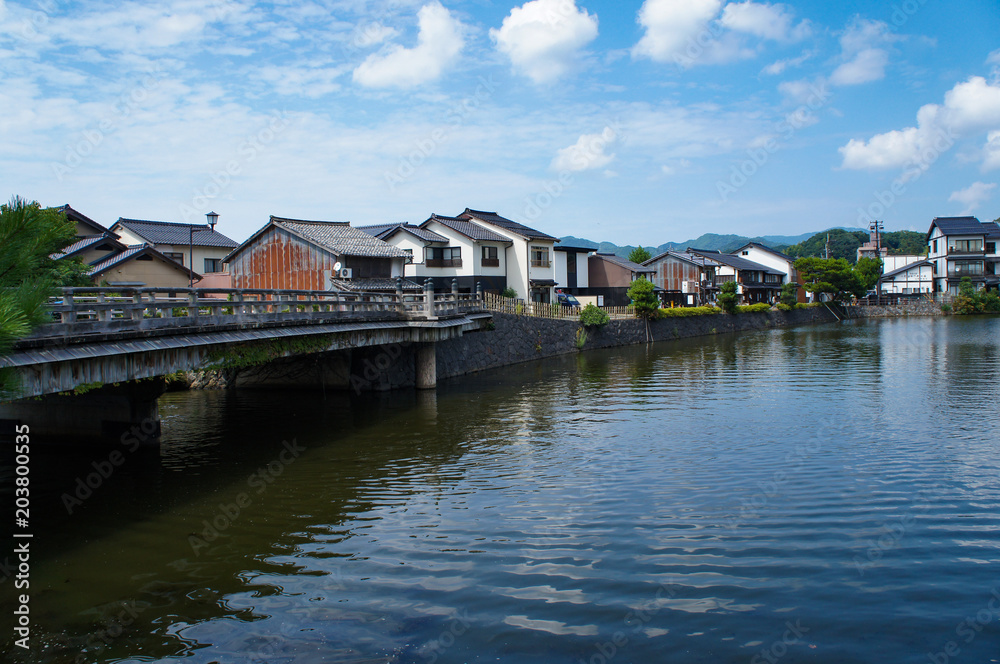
pixel 93 310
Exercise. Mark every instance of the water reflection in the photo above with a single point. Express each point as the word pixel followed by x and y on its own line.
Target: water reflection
pixel 692 497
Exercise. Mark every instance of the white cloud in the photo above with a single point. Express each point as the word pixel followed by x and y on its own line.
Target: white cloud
pixel 671 25
pixel 438 45
pixel 305 80
pixel 865 67
pixel 543 38
pixel 773 22
pixel 969 108
pixel 779 67
pixel 863 52
pixel 587 153
pixel 973 196
pixel 991 151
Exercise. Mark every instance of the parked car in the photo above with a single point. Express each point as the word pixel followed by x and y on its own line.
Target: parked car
pixel 567 300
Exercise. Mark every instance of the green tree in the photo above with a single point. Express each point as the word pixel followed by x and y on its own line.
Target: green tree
pixel 593 316
pixel 642 296
pixel 29 235
pixel 843 244
pixel 829 275
pixel 728 298
pixel 790 294
pixel 639 255
pixel 509 292
pixel 868 270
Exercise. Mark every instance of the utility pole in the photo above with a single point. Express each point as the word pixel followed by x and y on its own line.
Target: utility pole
pixel 826 252
pixel 876 229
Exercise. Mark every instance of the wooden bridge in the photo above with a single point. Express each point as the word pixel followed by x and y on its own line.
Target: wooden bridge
pixel 118 336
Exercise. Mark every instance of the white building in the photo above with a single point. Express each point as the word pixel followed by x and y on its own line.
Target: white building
pixel 195 246
pixel 530 261
pixel 571 269
pixel 963 247
pixel 910 278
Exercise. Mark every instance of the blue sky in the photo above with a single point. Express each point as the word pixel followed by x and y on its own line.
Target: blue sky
pixel 630 121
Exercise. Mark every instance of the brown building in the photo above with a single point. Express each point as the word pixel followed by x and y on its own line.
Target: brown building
pixel 114 263
pixel 295 254
pixel 609 276
pixel 686 279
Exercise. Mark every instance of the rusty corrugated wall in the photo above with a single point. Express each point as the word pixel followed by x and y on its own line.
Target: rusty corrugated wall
pixel 671 274
pixel 278 259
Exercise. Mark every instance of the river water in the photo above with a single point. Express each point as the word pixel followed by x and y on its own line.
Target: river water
pixel 822 494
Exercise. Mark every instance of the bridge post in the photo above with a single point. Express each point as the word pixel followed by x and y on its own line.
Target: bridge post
pixel 425 366
pixel 454 294
pixel 429 300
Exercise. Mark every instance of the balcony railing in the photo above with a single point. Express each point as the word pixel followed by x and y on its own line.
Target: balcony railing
pixel 444 262
pixel 544 263
pixel 954 251
pixel 491 262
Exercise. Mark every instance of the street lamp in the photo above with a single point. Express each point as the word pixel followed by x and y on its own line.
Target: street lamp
pixel 213 219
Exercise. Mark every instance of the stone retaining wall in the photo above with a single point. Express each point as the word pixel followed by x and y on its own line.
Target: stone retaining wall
pixel 517 339
pixel 914 308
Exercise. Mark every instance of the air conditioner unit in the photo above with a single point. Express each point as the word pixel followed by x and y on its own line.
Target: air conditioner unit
pixel 346 273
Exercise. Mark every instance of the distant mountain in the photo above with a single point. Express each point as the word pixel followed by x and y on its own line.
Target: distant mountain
pixel 710 241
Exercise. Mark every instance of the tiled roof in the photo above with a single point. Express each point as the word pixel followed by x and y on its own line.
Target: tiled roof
pixel 356 285
pixel 378 230
pixel 339 237
pixel 765 248
pixel 422 233
pixel 168 232
pixel 906 268
pixel 734 261
pixel 569 247
pixel 506 224
pixel 992 230
pixel 85 243
pixel 467 228
pixel 958 226
pixel 679 255
pixel 131 252
pixel 624 262
pixel 79 217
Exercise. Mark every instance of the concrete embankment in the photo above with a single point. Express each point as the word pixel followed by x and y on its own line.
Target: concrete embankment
pixel 913 308
pixel 517 339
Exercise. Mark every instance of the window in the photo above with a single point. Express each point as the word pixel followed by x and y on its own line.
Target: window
pixel 213 265
pixel 491 257
pixel 965 269
pixel 935 246
pixel 409 256
pixel 991 247
pixel 175 256
pixel 964 246
pixel 746 253
pixel 444 257
pixel 540 257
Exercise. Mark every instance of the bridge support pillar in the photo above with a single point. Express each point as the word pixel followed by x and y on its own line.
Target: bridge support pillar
pixel 126 414
pixel 426 366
